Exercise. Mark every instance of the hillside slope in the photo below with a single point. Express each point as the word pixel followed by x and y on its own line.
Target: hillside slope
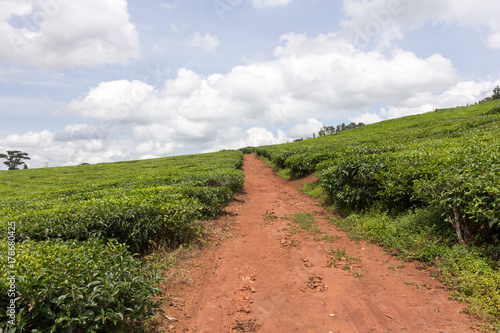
pixel 426 187
pixel 449 159
pixel 70 237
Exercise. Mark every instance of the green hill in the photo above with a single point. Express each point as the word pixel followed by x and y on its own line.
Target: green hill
pixel 424 186
pixel 70 236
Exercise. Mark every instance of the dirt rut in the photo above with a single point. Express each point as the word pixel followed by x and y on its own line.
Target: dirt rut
pixel 267 278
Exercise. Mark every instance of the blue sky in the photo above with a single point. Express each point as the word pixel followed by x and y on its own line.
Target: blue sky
pixel 101 81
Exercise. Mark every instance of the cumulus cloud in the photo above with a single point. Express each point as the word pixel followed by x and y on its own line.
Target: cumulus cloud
pixel 253 137
pixel 208 42
pixel 305 130
pixel 266 102
pixel 384 21
pixel 59 33
pixel 79 132
pixel 366 118
pixel 494 41
pixel 462 93
pixel 75 144
pixel 9 8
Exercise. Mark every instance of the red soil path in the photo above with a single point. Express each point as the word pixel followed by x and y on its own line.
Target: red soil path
pixel 266 279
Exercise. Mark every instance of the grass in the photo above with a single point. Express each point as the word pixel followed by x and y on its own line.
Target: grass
pixel 421 235
pixel 305 221
pixel 340 256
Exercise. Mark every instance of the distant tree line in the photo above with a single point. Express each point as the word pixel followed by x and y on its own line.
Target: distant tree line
pixel 494 97
pixel 327 130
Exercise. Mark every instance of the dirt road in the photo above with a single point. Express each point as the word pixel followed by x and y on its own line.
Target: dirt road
pixel 267 277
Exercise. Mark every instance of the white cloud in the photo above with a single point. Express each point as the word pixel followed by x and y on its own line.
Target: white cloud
pixel 116 101
pixel 366 118
pixel 8 8
pixel 494 41
pixel 270 3
pixel 305 130
pixel 29 139
pixel 265 102
pixel 323 76
pixel 208 42
pixel 463 93
pixel 79 143
pixel 61 33
pixel 383 21
pixel 253 137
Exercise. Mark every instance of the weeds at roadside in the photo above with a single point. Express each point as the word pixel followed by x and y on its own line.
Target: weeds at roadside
pixel 327 238
pixel 340 257
pixel 305 221
pixel 420 235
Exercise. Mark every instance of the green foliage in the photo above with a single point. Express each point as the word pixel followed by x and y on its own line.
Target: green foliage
pixel 136 202
pixel 446 159
pixel 353 183
pixel 496 93
pixel 303 164
pixel 77 227
pixel 14 159
pixel 418 235
pixel 494 110
pixel 305 221
pixel 135 220
pixel 78 286
pixel 416 185
pixel 474 280
pixel 469 190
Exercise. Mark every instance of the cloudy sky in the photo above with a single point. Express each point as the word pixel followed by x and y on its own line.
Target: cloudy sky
pixel 111 80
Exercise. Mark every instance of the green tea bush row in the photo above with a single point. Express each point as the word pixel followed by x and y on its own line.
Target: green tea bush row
pixel 305 163
pixel 468 193
pixel 162 205
pixel 133 220
pixel 78 287
pixel 446 159
pixel 77 227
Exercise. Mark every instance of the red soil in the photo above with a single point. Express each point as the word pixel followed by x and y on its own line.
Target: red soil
pixel 266 279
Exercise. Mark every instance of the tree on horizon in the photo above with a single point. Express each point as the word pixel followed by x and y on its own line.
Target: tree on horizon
pixel 14 159
pixel 496 93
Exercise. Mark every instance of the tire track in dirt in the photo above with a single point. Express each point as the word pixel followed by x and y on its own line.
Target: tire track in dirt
pixel 267 279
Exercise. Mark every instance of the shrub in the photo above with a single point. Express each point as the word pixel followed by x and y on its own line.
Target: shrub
pixel 353 183
pixel 305 163
pixel 135 220
pixel 78 287
pixel 467 192
pixel 474 280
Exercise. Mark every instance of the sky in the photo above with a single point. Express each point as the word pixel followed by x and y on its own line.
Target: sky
pixel 112 80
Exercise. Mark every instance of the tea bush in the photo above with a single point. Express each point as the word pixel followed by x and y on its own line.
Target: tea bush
pixel 446 159
pixel 78 287
pixel 77 227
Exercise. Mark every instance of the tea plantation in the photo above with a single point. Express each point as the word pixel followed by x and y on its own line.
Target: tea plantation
pixel 426 187
pixel 72 237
